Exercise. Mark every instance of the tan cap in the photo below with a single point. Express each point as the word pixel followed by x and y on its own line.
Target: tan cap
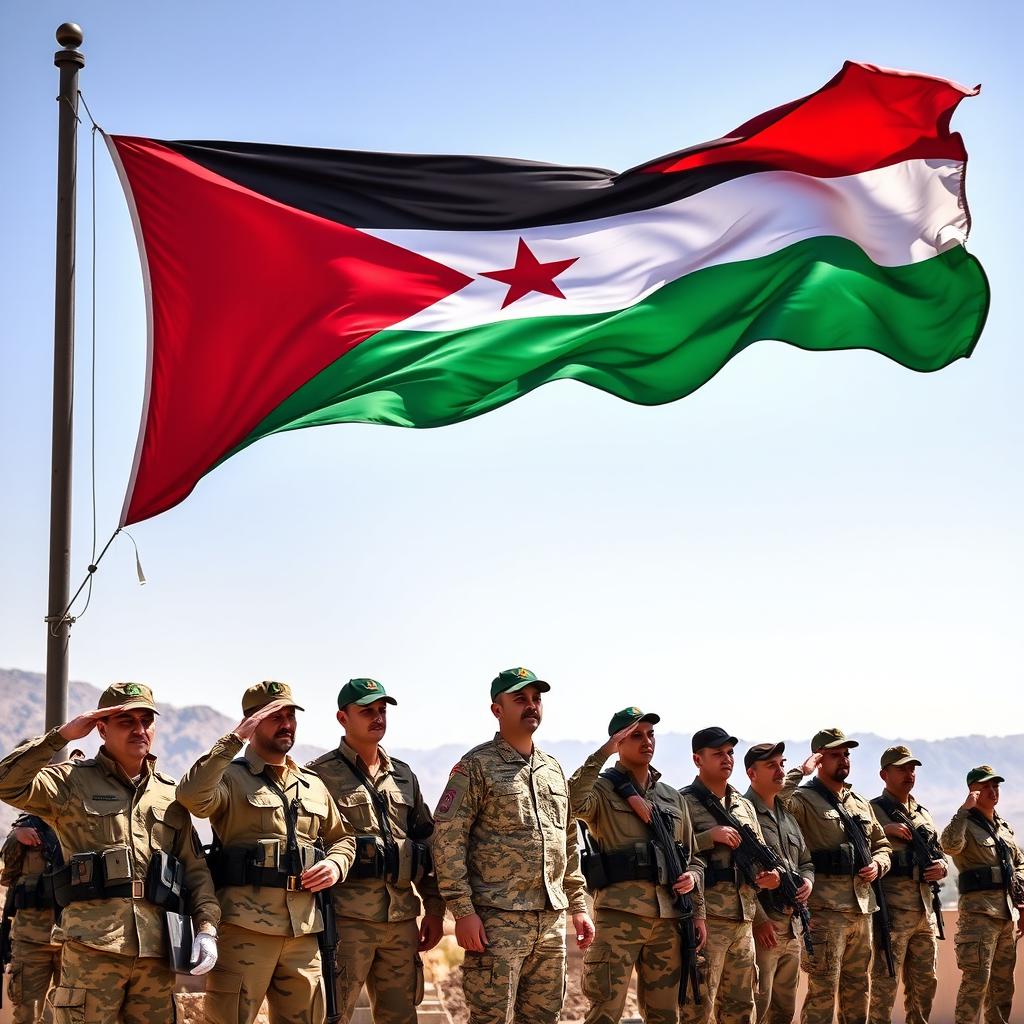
pixel 267 692
pixel 130 695
pixel 827 739
pixel 896 756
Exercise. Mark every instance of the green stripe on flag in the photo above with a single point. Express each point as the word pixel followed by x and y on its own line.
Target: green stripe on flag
pixel 819 294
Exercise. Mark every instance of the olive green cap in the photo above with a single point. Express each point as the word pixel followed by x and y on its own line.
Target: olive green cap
pixel 363 691
pixel 897 756
pixel 267 692
pixel 983 773
pixel 630 716
pixel 827 739
pixel 514 679
pixel 131 695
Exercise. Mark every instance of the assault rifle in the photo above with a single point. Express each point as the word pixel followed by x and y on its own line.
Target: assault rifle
pixel 862 858
pixel 753 856
pixel 328 942
pixel 925 850
pixel 668 852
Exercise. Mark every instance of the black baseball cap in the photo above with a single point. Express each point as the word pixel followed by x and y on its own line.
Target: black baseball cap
pixel 712 736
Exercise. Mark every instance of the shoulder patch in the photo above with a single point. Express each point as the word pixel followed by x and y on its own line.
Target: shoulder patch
pixel 451 798
pixel 459 768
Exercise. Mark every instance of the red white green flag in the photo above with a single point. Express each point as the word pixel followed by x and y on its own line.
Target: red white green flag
pixel 292 287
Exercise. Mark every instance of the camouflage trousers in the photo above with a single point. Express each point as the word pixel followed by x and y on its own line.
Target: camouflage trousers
pixel 33 966
pixel 778 973
pixel 97 987
pixel 625 941
pixel 986 955
pixel 915 954
pixel 521 977
pixel 840 967
pixel 250 965
pixel 383 957
pixel 728 975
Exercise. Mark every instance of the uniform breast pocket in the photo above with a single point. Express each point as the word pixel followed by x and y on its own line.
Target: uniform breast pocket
pixel 556 801
pixel 106 819
pixel 264 807
pixel 358 810
pixel 311 814
pixel 166 825
pixel 509 807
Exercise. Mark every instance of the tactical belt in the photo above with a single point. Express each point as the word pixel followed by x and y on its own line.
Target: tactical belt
pixel 84 877
pixel 33 897
pixel 625 867
pixel 714 876
pixel 901 865
pixel 981 879
pixel 833 862
pixel 235 865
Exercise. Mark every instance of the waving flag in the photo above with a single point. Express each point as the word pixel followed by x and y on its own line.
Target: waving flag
pixel 292 287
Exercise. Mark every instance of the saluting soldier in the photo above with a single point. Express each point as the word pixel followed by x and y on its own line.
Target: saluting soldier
pixel 835 821
pixel 908 894
pixel 637 921
pixel 991 864
pixel 729 898
pixel 778 933
pixel 268 814
pixel 507 864
pixel 122 833
pixel 378 903
pixel 31 848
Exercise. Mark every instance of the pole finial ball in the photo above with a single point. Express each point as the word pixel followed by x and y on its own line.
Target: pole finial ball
pixel 69 35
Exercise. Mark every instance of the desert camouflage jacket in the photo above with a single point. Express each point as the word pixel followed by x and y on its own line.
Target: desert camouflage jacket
pixel 971 846
pixel 618 829
pixel 906 892
pixel 502 835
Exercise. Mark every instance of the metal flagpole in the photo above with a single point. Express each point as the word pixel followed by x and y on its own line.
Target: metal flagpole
pixel 70 61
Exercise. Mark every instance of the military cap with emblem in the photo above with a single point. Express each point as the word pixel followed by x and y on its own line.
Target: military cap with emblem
pixel 363 691
pixel 514 679
pixel 713 736
pixel 983 773
pixel 630 716
pixel 761 752
pixel 270 691
pixel 895 757
pixel 127 696
pixel 829 739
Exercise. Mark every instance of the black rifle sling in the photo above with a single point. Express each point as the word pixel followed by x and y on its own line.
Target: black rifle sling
pixel 380 804
pixel 294 865
pixel 1002 850
pixel 851 827
pixel 901 817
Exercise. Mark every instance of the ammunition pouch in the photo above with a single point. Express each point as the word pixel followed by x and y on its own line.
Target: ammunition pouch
pixel 981 879
pixel 248 865
pixel 106 875
pixel 834 862
pixel 640 863
pixel 34 896
pixel 400 862
pixel 369 862
pixel 422 861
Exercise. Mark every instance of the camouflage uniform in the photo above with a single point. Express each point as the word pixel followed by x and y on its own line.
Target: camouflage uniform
pixel 115 958
pixel 637 923
pixel 503 850
pixel 778 968
pixel 986 952
pixel 731 905
pixel 268 944
pixel 915 949
pixel 841 905
pixel 377 916
pixel 35 959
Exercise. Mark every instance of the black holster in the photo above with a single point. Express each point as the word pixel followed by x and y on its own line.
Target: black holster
pixel 165 882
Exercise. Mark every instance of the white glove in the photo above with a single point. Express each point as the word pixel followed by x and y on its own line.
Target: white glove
pixel 204 953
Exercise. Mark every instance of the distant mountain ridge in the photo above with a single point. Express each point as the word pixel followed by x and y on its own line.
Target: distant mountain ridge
pixel 186 732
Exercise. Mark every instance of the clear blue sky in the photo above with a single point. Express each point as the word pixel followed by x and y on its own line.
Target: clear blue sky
pixel 809 540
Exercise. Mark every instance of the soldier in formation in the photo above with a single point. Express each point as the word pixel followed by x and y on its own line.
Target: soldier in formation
pixel 508 865
pixel 637 922
pixel 991 865
pixel 379 901
pixel 849 851
pixel 778 931
pixel 279 839
pixel 730 898
pixel 131 856
pixel 916 866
